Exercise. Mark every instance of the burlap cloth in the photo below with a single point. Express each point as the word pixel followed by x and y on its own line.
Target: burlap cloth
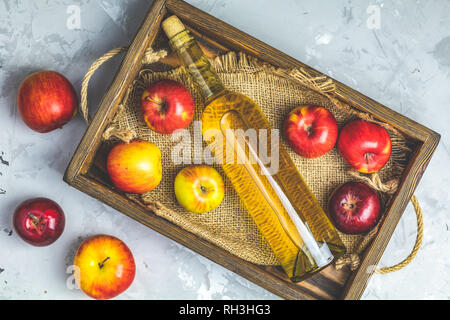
pixel 277 91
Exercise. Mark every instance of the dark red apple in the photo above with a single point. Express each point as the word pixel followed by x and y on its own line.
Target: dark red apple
pixel 311 131
pixel 366 146
pixel 39 221
pixel 354 208
pixel 46 101
pixel 167 106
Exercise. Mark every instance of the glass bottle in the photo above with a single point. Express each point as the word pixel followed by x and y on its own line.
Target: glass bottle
pixel 276 197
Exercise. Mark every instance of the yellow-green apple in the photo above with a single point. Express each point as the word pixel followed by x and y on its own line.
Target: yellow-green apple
pixel 311 130
pixel 199 188
pixel 46 101
pixel 366 146
pixel 167 106
pixel 354 208
pixel 104 267
pixel 135 167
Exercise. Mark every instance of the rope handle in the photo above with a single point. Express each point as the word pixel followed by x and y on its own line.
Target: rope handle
pixel 151 56
pixel 87 77
pixel 417 244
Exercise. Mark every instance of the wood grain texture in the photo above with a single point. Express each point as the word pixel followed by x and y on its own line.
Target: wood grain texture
pixel 86 170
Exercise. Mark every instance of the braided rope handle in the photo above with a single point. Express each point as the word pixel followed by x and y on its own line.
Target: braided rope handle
pixel 87 77
pixel 414 201
pixel 417 244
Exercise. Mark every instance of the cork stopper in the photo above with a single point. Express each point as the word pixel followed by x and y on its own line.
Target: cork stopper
pixel 172 26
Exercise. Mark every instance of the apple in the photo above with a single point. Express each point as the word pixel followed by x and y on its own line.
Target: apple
pixel 135 167
pixel 199 188
pixel 104 267
pixel 365 146
pixel 39 221
pixel 46 101
pixel 311 130
pixel 166 106
pixel 354 208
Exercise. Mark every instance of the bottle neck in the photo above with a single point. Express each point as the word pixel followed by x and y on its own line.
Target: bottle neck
pixel 197 64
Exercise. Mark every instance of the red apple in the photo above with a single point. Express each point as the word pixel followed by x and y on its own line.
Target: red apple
pixel 135 167
pixel 39 221
pixel 311 131
pixel 366 146
pixel 46 101
pixel 167 106
pixel 104 267
pixel 354 208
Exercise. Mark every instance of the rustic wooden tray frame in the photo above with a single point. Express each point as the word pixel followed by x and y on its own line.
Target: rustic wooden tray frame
pixel 328 284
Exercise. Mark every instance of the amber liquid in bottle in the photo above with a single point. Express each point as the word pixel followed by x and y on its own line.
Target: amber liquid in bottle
pixel 280 203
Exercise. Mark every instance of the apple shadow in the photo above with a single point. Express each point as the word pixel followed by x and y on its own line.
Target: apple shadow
pixel 11 85
pixel 67 278
pixel 71 251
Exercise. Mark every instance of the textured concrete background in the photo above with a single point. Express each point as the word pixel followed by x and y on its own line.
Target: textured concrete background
pixel 401 59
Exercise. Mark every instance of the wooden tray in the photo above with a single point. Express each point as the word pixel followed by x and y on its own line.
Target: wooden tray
pixel 84 174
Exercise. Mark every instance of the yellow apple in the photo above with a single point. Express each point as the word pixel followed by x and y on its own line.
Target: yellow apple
pixel 135 167
pixel 199 188
pixel 104 267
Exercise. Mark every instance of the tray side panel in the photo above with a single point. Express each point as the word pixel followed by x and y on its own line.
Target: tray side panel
pixel 359 279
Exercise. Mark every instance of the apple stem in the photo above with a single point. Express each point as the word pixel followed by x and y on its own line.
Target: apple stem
pixel 350 206
pixel 102 264
pixel 367 157
pixel 36 221
pixel 163 106
pixel 161 103
pixel 33 217
pixel 153 100
pixel 308 130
